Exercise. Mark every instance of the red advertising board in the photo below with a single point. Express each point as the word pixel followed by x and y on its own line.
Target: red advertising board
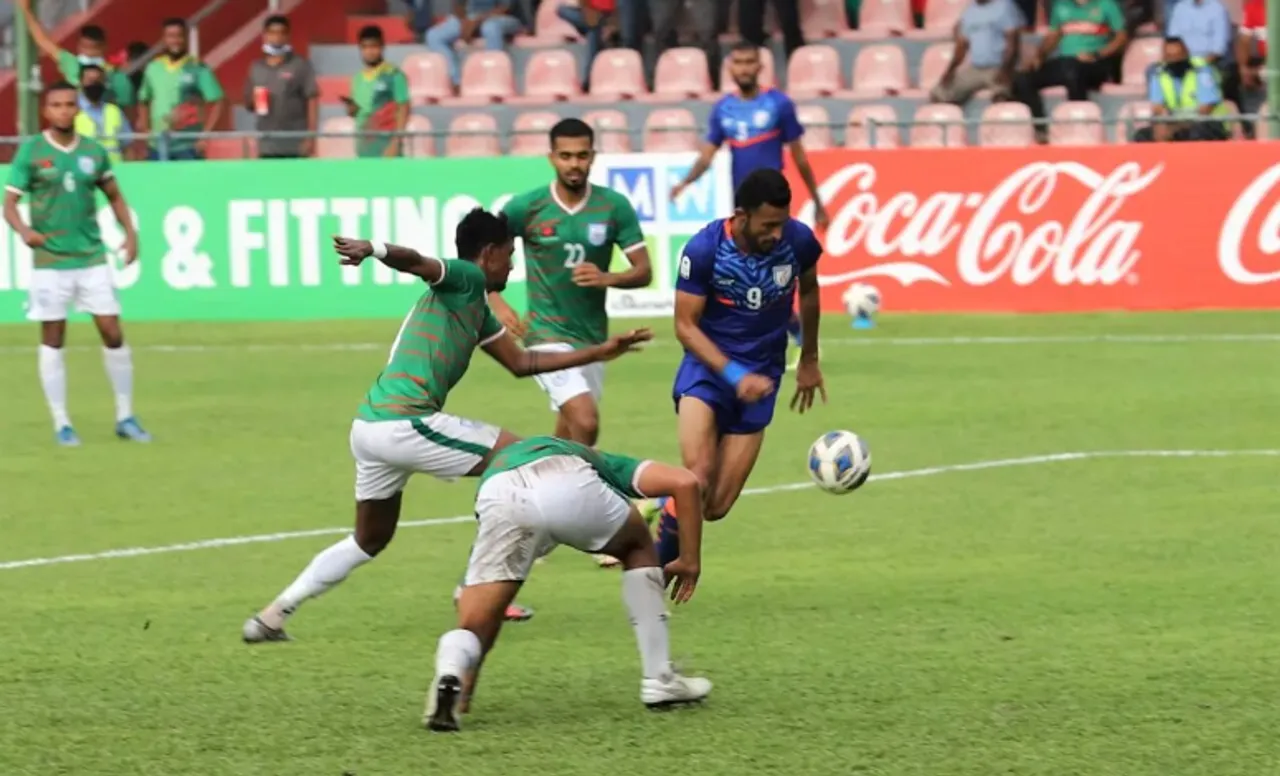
pixel 1136 227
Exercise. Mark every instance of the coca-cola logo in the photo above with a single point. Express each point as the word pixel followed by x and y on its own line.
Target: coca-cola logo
pixel 1231 240
pixel 1059 220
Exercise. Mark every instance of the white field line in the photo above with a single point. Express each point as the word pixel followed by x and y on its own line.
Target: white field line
pixel 1003 463
pixel 868 341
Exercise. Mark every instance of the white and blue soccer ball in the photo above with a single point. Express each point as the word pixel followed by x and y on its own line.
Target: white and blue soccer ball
pixel 862 300
pixel 839 462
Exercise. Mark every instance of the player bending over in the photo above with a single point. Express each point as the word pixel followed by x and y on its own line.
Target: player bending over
pixel 734 292
pixel 543 492
pixel 62 172
pixel 399 428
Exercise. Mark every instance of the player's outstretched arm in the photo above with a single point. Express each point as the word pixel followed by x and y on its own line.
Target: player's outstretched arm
pixel 660 479
pixel 525 363
pixel 397 257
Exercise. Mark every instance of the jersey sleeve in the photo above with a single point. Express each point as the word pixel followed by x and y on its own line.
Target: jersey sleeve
pixel 20 170
pixel 808 249
pixel 517 212
pixel 399 87
pixel 788 123
pixel 122 89
pixel 490 328
pixel 105 172
pixel 1114 17
pixel 696 264
pixel 460 277
pixel 210 89
pixel 145 91
pixel 622 471
pixel 629 234
pixel 715 127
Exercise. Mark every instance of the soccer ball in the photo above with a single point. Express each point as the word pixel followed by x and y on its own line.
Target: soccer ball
pixel 839 462
pixel 861 299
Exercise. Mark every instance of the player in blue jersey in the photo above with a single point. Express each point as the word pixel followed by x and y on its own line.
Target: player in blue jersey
pixel 735 288
pixel 757 124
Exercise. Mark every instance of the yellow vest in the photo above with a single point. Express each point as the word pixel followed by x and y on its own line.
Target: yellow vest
pixel 1181 98
pixel 112 122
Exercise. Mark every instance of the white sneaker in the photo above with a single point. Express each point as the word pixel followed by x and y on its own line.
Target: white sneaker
pixel 441 714
pixel 255 631
pixel 607 561
pixel 673 689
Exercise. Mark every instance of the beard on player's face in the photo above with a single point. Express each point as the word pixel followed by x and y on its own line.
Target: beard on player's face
pixel 573 180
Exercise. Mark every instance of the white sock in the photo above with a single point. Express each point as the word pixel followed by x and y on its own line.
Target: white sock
pixel 642 593
pixel 53 377
pixel 325 570
pixel 457 652
pixel 119 363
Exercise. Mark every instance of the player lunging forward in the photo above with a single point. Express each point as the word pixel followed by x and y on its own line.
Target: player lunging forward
pixel 399 428
pixel 63 171
pixel 734 291
pixel 543 492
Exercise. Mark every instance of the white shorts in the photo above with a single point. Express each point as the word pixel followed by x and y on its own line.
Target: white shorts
pixel 569 383
pixel 526 512
pixel 52 292
pixel 387 452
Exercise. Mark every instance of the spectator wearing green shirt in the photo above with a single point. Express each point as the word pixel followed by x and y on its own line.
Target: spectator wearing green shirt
pixel 91 49
pixel 379 100
pixel 180 96
pixel 1085 39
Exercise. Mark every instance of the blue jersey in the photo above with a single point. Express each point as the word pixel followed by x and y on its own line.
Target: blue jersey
pixel 756 130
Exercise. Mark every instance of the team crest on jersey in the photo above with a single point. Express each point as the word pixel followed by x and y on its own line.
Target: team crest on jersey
pixel 761 119
pixel 597 234
pixel 87 165
pixel 782 275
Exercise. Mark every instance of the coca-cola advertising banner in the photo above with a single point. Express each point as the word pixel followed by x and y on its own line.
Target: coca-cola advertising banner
pixel 1134 227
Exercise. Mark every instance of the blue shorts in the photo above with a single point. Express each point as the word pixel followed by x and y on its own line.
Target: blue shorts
pixel 732 415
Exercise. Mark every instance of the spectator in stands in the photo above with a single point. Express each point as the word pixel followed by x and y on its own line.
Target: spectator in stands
pixel 1183 86
pixel 492 19
pixel 1205 27
pixel 379 99
pixel 136 62
pixel 988 34
pixel 180 96
pixel 751 23
pixel 99 118
pixel 665 15
pixel 1085 37
pixel 1251 54
pixel 589 19
pixel 91 49
pixel 281 91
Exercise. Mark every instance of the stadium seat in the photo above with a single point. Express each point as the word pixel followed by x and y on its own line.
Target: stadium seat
pixel 548 28
pixel 472 134
pixel 333 88
pixel 487 77
pixel 428 76
pixel 331 144
pixel 817 127
pixel 884 17
pixel 670 130
pixel 612 133
pixel 421 144
pixel 551 75
pixel 934 63
pixel 1131 117
pixel 925 134
pixel 813 71
pixel 1076 123
pixel 231 148
pixel 1006 125
pixel 1142 54
pixel 941 15
pixel 879 70
pixel 529 133
pixel 860 134
pixel 618 74
pixel 768 76
pixel 681 73
pixel 822 18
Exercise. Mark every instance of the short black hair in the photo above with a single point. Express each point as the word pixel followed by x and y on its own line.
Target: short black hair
pixel 59 86
pixel 137 49
pixel 479 229
pixel 745 46
pixel 94 33
pixel 572 128
pixel 174 21
pixel 1175 39
pixel 276 19
pixel 763 187
pixel 370 32
pixel 87 68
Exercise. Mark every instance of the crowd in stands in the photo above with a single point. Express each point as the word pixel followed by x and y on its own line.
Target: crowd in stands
pixel 1194 61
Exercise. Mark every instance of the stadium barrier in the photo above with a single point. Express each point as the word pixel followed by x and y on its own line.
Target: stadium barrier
pixel 1045 229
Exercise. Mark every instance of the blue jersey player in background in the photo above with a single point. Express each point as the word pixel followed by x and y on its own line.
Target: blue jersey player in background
pixel 757 124
pixel 735 289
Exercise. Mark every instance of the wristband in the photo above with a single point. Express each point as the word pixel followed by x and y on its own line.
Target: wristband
pixel 379 249
pixel 733 372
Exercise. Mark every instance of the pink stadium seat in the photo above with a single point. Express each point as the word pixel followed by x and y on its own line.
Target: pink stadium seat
pixel 548 28
pixel 428 76
pixel 472 134
pixel 1142 54
pixel 861 134
pixel 1007 125
pixel 670 130
pixel 487 77
pixel 813 71
pixel 612 135
pixel 879 70
pixel 529 133
pixel 1068 127
pixel 334 147
pixel 618 74
pixel 551 75
pixel 1130 118
pixel 768 78
pixel 333 88
pixel 933 63
pixel 681 73
pixel 231 148
pixel 419 145
pixel 822 18
pixel 885 17
pixel 817 127
pixel 926 135
pixel 942 15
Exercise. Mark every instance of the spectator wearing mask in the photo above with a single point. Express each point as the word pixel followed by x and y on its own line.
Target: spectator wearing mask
pixel 491 19
pixel 1184 86
pixel 91 49
pixel 180 95
pixel 100 118
pixel 1085 39
pixel 281 91
pixel 987 35
pixel 379 100
pixel 665 15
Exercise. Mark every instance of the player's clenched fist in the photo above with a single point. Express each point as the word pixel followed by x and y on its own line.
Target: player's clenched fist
pixel 589 276
pixel 755 387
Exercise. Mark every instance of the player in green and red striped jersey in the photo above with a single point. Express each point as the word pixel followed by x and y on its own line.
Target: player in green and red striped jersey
pixel 400 428
pixel 379 100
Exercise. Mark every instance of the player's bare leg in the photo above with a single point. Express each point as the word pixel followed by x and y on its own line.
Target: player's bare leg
pixel 461 652
pixel 118 360
pixel 738 456
pixel 699 452
pixel 53 379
